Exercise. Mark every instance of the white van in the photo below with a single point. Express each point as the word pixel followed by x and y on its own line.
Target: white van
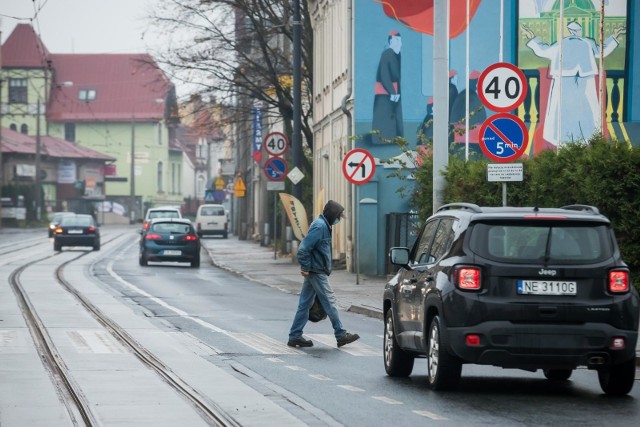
pixel 212 220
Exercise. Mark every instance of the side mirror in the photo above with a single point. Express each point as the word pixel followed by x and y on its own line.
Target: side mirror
pixel 400 256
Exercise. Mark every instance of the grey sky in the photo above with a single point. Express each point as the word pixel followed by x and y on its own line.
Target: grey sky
pixel 83 26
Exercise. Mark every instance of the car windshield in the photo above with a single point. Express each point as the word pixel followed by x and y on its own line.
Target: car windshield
pixel 81 220
pixel 212 211
pixel 163 214
pixel 536 243
pixel 171 227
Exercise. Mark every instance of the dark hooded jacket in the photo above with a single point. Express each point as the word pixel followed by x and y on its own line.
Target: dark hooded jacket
pixel 314 253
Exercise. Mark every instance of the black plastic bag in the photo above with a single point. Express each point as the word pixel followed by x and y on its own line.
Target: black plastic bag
pixel 316 312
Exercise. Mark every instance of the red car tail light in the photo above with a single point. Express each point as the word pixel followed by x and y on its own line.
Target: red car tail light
pixel 145 225
pixel 58 230
pixel 191 237
pixel 618 281
pixel 468 278
pixel 92 229
pixel 472 340
pixel 152 236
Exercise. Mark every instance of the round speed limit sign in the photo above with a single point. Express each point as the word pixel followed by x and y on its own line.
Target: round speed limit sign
pixel 502 87
pixel 276 143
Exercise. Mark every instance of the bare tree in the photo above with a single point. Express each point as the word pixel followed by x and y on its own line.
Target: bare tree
pixel 238 51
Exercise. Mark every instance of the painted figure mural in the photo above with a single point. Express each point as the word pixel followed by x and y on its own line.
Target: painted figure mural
pixel 387 106
pixel 573 98
pixel 560 50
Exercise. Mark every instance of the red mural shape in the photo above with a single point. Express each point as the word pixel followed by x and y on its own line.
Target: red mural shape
pixel 418 15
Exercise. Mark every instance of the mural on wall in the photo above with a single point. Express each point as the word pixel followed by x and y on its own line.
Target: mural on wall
pixel 560 53
pixel 411 115
pixel 387 106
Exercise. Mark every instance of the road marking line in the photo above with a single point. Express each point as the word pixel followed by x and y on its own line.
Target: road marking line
pixel 387 400
pixel 97 342
pixel 320 377
pixel 354 349
pixel 265 344
pixel 295 368
pixel 431 415
pixel 275 359
pixel 351 388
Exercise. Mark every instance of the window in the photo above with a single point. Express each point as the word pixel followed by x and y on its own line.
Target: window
pixel 159 177
pixel 421 249
pixel 159 128
pixel 87 95
pixel 70 132
pixel 530 244
pixel 17 91
pixel 24 129
pixel 13 127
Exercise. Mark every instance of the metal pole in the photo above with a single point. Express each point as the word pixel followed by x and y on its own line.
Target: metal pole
pixel 1 167
pixel 132 190
pixel 504 194
pixel 37 180
pixel 296 148
pixel 440 100
pixel 357 232
pixel 275 235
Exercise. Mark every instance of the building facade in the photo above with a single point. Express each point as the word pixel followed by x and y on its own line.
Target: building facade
pixel 374 80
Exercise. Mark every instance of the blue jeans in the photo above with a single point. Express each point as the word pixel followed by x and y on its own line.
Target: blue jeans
pixel 313 284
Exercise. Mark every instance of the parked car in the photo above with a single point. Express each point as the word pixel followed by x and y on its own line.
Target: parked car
pixel 527 288
pixel 160 212
pixel 76 230
pixel 212 220
pixel 170 239
pixel 55 220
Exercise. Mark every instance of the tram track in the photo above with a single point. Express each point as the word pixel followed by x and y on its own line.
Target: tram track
pixel 71 395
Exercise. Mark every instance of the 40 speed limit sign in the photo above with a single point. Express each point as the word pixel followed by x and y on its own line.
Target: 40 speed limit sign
pixel 276 143
pixel 502 87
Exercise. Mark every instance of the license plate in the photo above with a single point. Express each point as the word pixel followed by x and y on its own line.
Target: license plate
pixel 166 252
pixel 75 231
pixel 546 287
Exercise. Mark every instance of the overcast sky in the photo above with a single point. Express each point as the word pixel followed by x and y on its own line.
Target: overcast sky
pixel 83 26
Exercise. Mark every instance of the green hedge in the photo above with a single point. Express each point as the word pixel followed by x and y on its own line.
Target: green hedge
pixel 601 173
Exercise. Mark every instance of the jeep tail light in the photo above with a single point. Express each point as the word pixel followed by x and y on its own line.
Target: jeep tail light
pixel 152 236
pixel 472 340
pixel 617 343
pixel 468 278
pixel 618 281
pixel 145 225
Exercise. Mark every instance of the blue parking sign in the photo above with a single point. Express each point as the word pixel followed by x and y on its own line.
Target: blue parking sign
pixel 275 168
pixel 503 137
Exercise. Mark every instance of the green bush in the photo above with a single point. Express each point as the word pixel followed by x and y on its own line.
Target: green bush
pixel 601 173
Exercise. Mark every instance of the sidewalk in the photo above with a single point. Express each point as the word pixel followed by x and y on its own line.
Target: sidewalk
pixel 248 259
pixel 359 294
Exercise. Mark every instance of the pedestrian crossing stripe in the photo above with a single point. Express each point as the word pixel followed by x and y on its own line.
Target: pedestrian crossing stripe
pixel 267 345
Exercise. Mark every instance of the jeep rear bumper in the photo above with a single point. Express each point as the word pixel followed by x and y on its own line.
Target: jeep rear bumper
pixel 535 346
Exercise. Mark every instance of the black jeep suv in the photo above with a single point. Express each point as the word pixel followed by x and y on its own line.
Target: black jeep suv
pixel 527 288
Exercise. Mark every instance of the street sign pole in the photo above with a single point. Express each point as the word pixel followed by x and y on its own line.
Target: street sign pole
pixel 275 210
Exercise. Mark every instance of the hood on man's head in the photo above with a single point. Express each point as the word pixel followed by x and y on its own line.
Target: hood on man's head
pixel 332 211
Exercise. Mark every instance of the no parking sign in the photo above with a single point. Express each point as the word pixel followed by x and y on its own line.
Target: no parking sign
pixel 503 137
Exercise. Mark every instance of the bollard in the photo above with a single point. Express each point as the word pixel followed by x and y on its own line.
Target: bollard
pixel 265 240
pixel 289 237
pixel 294 251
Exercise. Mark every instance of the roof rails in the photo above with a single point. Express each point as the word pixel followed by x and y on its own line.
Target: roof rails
pixel 583 208
pixel 468 206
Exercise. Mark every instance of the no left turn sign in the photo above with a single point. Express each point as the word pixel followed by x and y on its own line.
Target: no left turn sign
pixel 502 87
pixel 358 166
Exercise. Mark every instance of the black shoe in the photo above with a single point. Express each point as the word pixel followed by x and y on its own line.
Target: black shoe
pixel 300 342
pixel 349 338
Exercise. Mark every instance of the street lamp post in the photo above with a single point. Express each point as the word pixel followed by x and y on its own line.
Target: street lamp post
pixel 132 172
pixel 132 190
pixel 37 197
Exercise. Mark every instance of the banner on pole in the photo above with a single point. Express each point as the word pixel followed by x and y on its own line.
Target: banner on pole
pixel 297 215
